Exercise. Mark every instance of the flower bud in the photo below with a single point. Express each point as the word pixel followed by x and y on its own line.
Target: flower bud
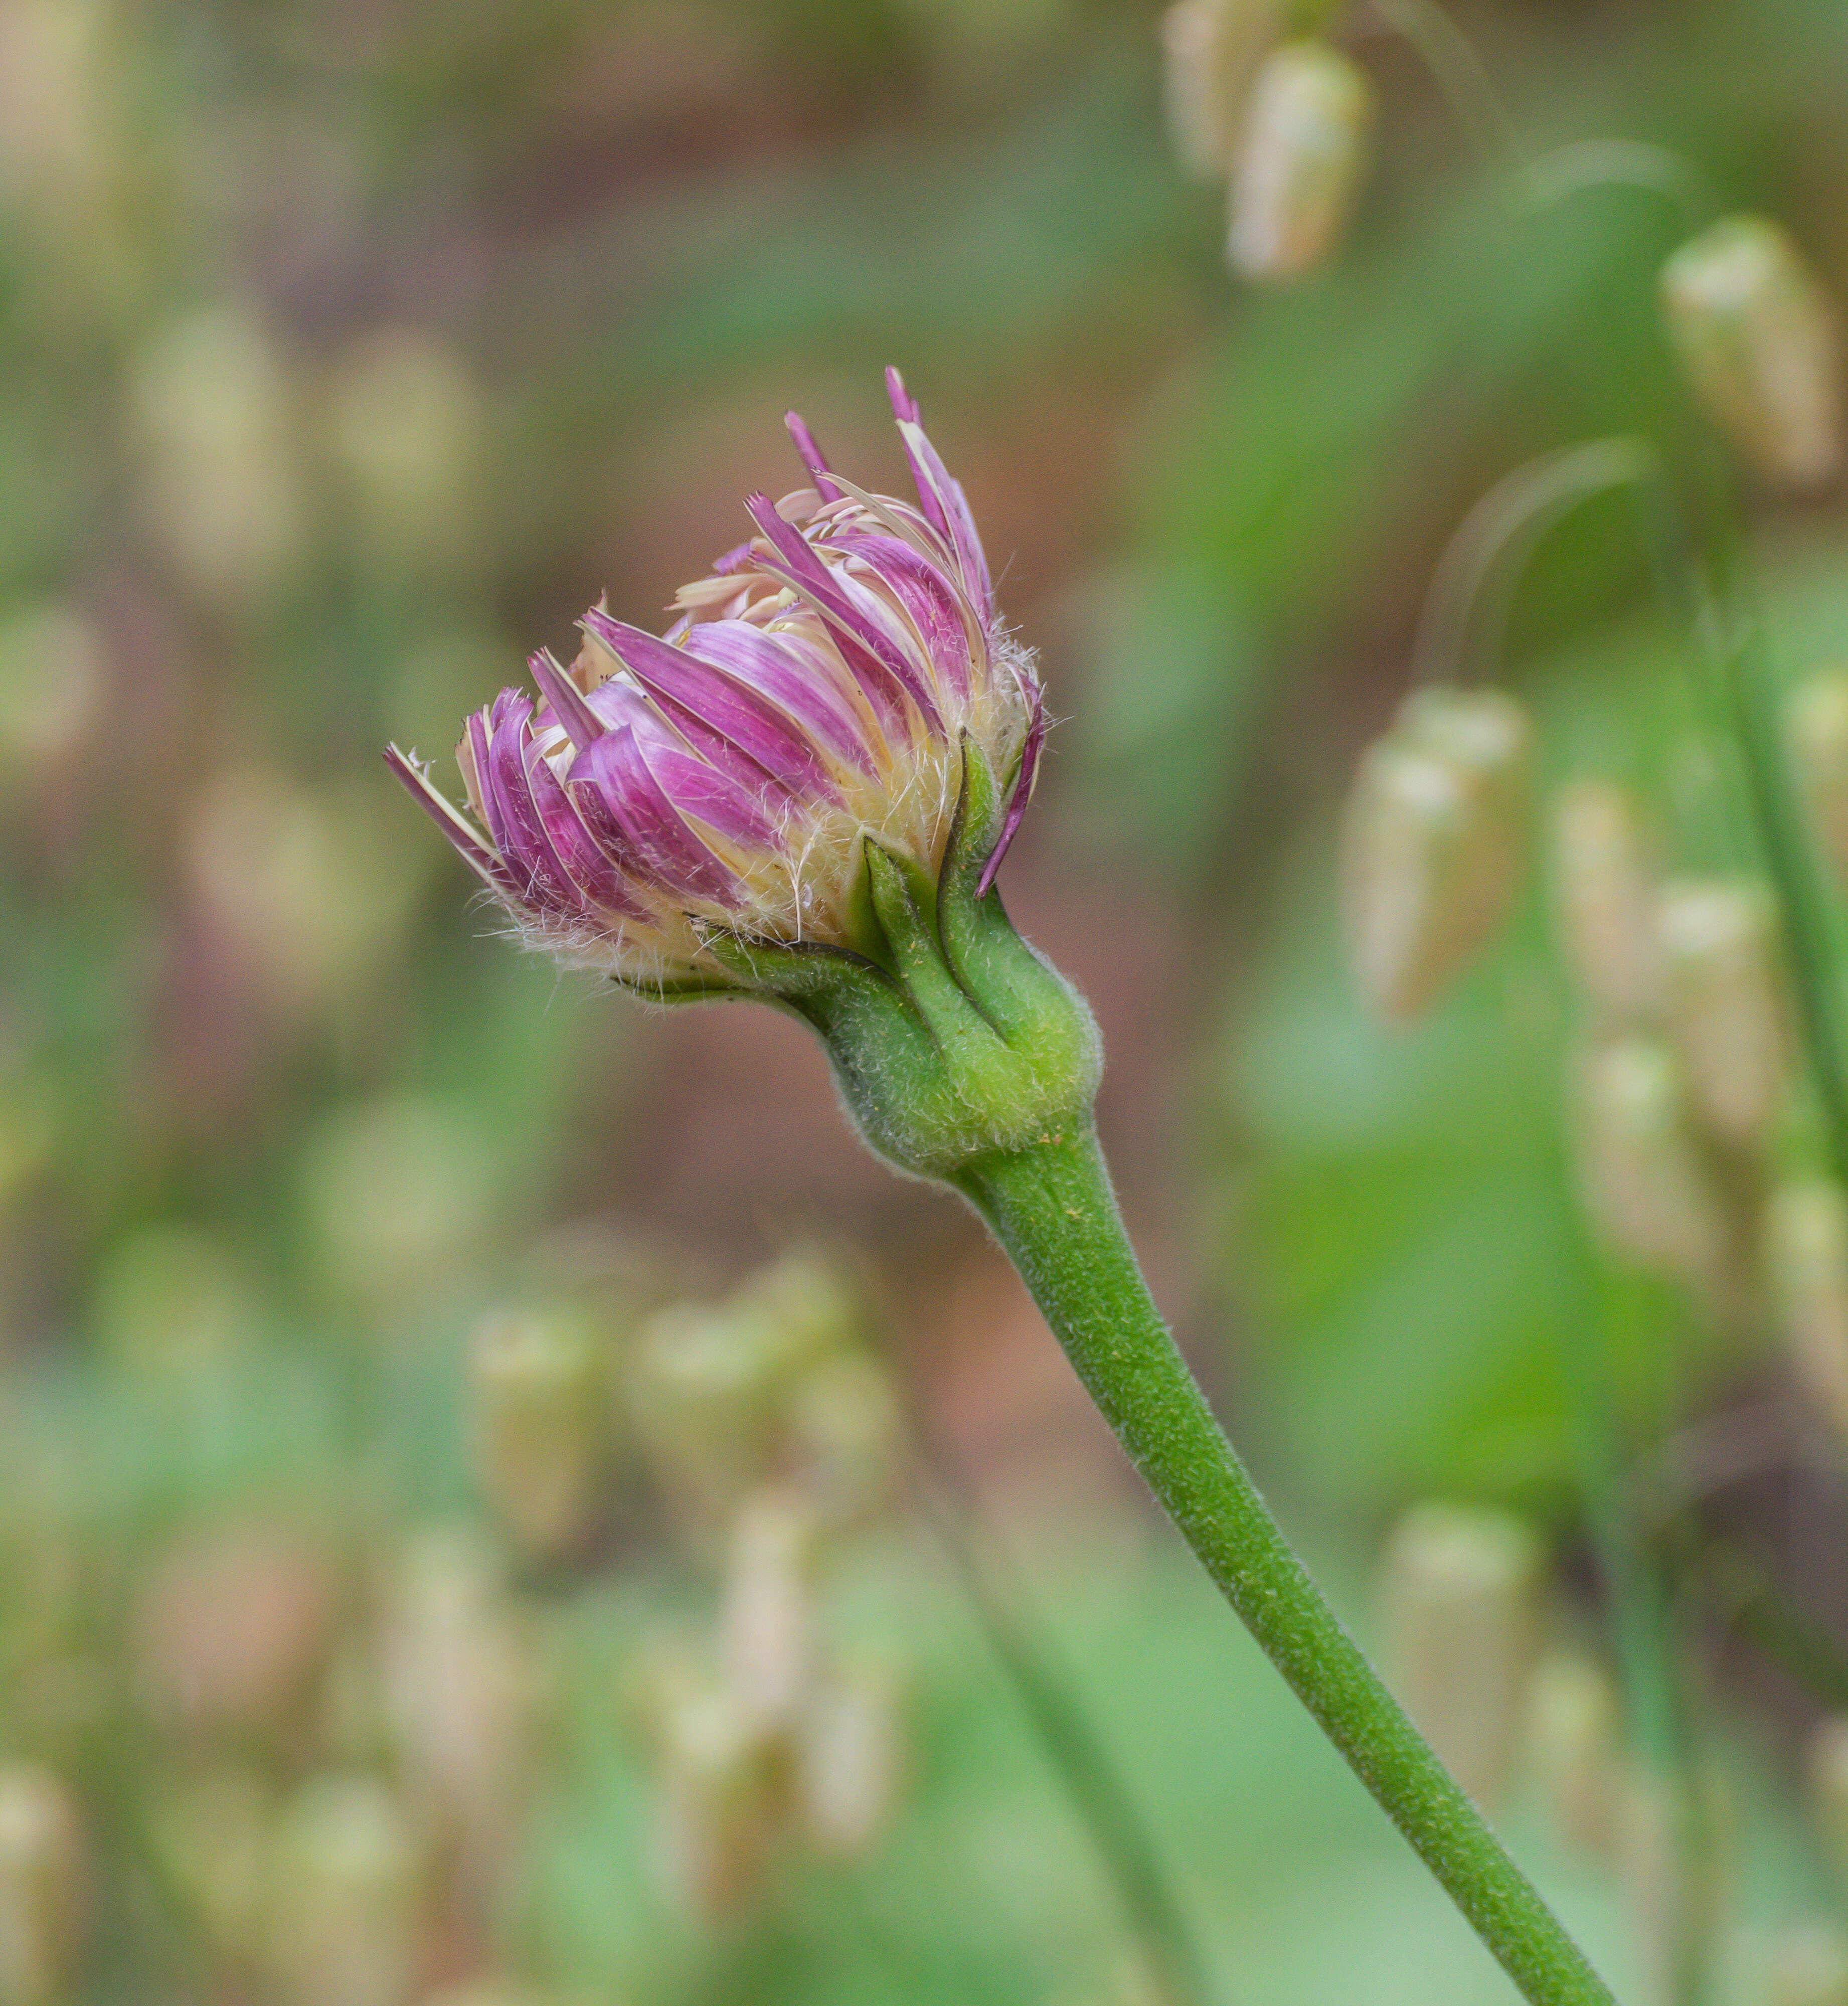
pixel 1674 1839
pixel 1574 1728
pixel 846 1436
pixel 850 1760
pixel 1460 1591
pixel 768 1606
pixel 346 1898
pixel 538 1386
pixel 1645 1184
pixel 1432 844
pixel 1300 159
pixel 212 1838
pixel 1807 1965
pixel 723 1793
pixel 1604 894
pixel 1826 1766
pixel 1758 340
pixel 1210 49
pixel 41 1885
pixel 1816 744
pixel 1719 945
pixel 1806 1256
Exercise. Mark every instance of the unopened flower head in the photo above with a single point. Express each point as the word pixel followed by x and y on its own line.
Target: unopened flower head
pixel 815 690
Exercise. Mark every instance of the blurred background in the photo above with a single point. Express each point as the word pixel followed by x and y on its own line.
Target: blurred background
pixel 380 1311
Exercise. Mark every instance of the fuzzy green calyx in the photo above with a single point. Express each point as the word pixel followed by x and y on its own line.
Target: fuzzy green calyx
pixel 951 1039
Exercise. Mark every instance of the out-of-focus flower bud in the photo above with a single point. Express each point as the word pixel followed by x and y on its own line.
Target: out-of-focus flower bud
pixel 538 1380
pixel 1300 159
pixel 1719 943
pixel 401 1193
pixel 458 1691
pixel 846 1436
pixel 767 1610
pixel 231 1628
pixel 171 1298
pixel 1816 744
pixel 1759 341
pixel 1825 1766
pixel 1645 1186
pixel 212 1838
pixel 1604 893
pixel 211 406
pixel 723 1793
pixel 55 152
pixel 1432 843
pixel 299 885
pixel 54 686
pixel 850 1759
pixel 41 1886
pixel 1674 1840
pixel 1210 51
pixel 1807 1965
pixel 806 1306
pixel 404 428
pixel 346 1898
pixel 1460 1592
pixel 1573 1732
pixel 1806 1256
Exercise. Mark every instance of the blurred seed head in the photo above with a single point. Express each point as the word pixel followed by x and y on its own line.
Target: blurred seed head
pixel 850 1759
pixel 1719 942
pixel 1575 1748
pixel 1826 1772
pixel 767 1617
pixel 54 688
pixel 41 1886
pixel 300 885
pixel 722 1794
pixel 539 1391
pixel 1432 844
pixel 1645 1183
pixel 1300 159
pixel 345 1897
pixel 212 412
pixel 399 1195
pixel 1805 1964
pixel 1604 894
pixel 1210 51
pixel 231 1626
pixel 1816 744
pixel 1758 339
pixel 1806 1258
pixel 1460 1591
pixel 404 430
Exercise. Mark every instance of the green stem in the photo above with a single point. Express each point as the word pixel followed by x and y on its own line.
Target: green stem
pixel 1051 1208
pixel 1124 1844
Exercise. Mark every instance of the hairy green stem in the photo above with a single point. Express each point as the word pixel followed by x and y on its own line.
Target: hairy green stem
pixel 1051 1207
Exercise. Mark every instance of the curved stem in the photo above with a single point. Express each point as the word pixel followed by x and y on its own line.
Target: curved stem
pixel 1051 1208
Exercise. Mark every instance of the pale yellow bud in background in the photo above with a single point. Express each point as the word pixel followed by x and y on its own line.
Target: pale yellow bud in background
pixel 723 1793
pixel 213 417
pixel 1460 1594
pixel 1758 339
pixel 1575 1748
pixel 1604 896
pixel 1210 51
pixel 345 1896
pixel 1673 1842
pixel 1826 1774
pixel 1300 159
pixel 846 1436
pixel 1816 743
pixel 213 1837
pixel 1432 844
pixel 1645 1186
pixel 538 1384
pixel 1806 1964
pixel 41 1886
pixel 850 1760
pixel 1718 940
pixel 54 686
pixel 768 1606
pixel 1806 1259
